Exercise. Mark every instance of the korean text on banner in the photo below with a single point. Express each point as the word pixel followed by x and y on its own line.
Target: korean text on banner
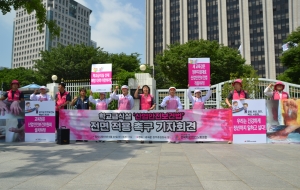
pixel 249 121
pixel 186 125
pixel 39 121
pixel 199 73
pixel 101 77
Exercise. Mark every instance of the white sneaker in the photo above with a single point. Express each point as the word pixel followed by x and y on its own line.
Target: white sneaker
pixel 177 142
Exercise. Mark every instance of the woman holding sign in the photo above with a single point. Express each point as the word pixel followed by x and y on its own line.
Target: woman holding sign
pixel 197 100
pixel 102 103
pixel 147 101
pixel 237 94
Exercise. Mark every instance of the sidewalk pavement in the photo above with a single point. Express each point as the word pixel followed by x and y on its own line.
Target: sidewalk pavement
pixel 161 166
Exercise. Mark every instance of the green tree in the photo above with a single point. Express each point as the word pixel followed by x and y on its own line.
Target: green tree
pixel 74 62
pixel 250 84
pixel 291 59
pixel 173 61
pixel 30 6
pixel 24 76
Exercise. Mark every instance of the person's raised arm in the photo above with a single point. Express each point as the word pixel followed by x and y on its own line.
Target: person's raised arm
pixel 114 94
pixel 136 93
pixel 268 91
pixel 33 97
pixel 207 96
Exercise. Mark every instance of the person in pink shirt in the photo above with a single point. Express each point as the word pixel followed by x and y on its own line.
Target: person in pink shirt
pixel 147 101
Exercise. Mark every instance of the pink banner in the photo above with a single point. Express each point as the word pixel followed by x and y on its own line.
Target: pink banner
pixel 186 125
pixel 199 74
pixel 101 78
pixel 249 124
pixel 40 124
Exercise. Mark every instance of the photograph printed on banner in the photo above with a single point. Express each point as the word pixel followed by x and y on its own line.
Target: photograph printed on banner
pixel 12 124
pixel 248 108
pixel 283 121
pixel 38 108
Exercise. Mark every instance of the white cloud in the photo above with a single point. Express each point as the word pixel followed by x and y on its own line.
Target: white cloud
pixel 115 25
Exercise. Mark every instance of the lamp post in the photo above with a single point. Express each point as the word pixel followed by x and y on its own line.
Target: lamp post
pixel 54 78
pixel 143 67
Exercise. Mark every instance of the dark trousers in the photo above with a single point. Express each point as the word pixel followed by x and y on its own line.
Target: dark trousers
pixel 57 119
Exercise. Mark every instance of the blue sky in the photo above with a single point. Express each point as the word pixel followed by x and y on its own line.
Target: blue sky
pixel 117 26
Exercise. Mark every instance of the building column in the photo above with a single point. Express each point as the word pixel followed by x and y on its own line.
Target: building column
pixel 184 21
pixel 294 15
pixel 222 20
pixel 149 32
pixel 245 31
pixel 270 65
pixel 166 24
pixel 202 22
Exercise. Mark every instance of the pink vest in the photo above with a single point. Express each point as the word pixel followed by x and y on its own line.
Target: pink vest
pixel 124 103
pixel 17 95
pixel 173 104
pixel 101 105
pixel 61 100
pixel 276 95
pixel 198 105
pixel 236 95
pixel 146 102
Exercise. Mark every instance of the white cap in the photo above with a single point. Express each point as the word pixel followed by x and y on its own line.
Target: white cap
pixel 43 87
pixel 103 93
pixel 124 86
pixel 197 91
pixel 172 88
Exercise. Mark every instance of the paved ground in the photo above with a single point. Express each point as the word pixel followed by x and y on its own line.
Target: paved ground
pixel 149 166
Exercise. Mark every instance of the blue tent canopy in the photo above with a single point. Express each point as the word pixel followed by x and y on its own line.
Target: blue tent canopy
pixel 30 87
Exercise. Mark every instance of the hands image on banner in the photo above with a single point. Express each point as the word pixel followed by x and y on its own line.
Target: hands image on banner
pixel 289 113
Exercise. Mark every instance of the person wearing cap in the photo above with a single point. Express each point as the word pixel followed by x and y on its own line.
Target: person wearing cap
pixel 147 101
pixel 277 93
pixel 125 100
pixel 172 102
pixel 197 100
pixel 43 96
pixel 13 98
pixel 102 102
pixel 237 94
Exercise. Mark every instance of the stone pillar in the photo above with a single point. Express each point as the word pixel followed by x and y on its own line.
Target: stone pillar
pixel 53 89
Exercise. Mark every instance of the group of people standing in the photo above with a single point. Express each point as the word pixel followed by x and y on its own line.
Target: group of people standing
pixel 125 100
